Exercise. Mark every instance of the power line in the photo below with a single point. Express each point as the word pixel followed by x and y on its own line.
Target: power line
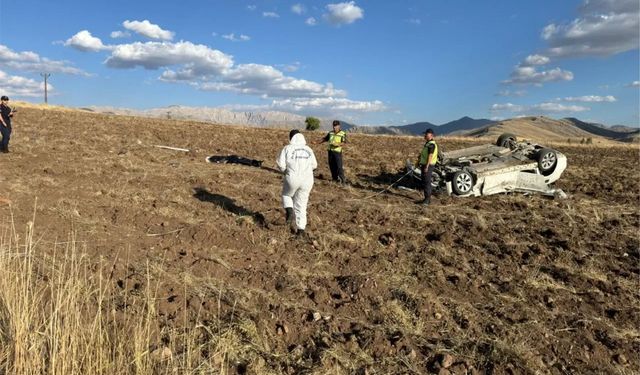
pixel 45 76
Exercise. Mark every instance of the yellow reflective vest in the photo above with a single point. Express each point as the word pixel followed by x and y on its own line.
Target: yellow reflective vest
pixel 425 153
pixel 336 138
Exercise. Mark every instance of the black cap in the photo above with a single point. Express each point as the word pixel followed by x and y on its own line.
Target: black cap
pixel 429 131
pixel 293 132
pixel 4 97
pixel 336 122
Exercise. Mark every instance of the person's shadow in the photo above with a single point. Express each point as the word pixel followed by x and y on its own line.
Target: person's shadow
pixel 229 205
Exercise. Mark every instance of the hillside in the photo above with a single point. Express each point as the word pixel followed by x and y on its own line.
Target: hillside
pixel 121 257
pixel 631 138
pixel 603 131
pixel 540 128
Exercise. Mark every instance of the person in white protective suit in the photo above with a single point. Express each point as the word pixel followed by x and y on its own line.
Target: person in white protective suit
pixel 297 161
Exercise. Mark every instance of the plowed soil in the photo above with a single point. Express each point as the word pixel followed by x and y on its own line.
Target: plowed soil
pixel 501 284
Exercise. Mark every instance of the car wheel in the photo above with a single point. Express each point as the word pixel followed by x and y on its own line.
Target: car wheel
pixel 547 160
pixel 507 140
pixel 462 182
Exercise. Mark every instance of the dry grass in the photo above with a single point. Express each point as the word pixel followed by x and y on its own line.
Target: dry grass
pixel 58 315
pixel 54 317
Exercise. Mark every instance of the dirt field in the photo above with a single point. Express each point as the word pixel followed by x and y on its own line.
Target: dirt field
pixel 507 284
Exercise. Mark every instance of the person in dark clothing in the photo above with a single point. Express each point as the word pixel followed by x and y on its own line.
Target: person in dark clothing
pixel 6 113
pixel 427 163
pixel 336 138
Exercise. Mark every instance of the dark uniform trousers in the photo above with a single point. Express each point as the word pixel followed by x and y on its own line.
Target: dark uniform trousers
pixel 335 165
pixel 426 171
pixel 6 135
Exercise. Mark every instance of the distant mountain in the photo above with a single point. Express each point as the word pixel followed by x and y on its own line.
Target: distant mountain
pixel 602 130
pixel 624 128
pixel 418 128
pixel 215 115
pixel 465 123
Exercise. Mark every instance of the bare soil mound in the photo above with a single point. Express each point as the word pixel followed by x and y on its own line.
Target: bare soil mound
pixel 507 284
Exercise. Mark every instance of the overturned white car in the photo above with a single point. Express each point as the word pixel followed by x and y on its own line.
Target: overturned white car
pixel 508 166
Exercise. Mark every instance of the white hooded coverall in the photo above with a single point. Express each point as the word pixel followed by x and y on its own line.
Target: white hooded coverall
pixel 297 161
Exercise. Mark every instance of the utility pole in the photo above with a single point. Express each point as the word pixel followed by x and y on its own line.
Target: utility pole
pixel 45 76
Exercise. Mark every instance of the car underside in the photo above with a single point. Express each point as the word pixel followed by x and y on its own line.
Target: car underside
pixel 507 166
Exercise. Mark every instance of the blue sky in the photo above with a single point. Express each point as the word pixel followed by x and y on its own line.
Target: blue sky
pixel 370 62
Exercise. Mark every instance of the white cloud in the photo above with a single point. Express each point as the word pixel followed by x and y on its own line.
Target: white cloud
pixel 315 106
pixel 507 93
pixel 311 21
pixel 198 60
pixel 240 38
pixel 21 86
pixel 212 70
pixel 290 67
pixel 556 107
pixel 606 6
pixel 328 105
pixel 148 29
pixel 605 27
pixel 251 7
pixel 530 75
pixel 270 15
pixel 634 84
pixel 591 99
pixel 547 107
pixel 32 62
pixel 343 13
pixel 120 34
pixel 507 107
pixel 414 21
pixel 267 81
pixel 298 9
pixel 84 41
pixel 533 60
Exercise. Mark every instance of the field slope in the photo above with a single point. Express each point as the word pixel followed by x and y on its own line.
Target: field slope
pixel 200 253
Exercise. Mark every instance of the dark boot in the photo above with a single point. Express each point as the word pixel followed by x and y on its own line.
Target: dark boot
pixel 288 215
pixel 424 202
pixel 303 236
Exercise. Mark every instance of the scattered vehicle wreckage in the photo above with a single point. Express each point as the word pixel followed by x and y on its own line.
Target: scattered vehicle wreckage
pixel 507 166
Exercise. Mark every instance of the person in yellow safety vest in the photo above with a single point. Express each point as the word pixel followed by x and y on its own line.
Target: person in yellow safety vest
pixel 427 163
pixel 336 138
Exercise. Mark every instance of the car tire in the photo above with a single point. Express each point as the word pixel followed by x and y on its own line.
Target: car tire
pixel 462 183
pixel 547 161
pixel 507 140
